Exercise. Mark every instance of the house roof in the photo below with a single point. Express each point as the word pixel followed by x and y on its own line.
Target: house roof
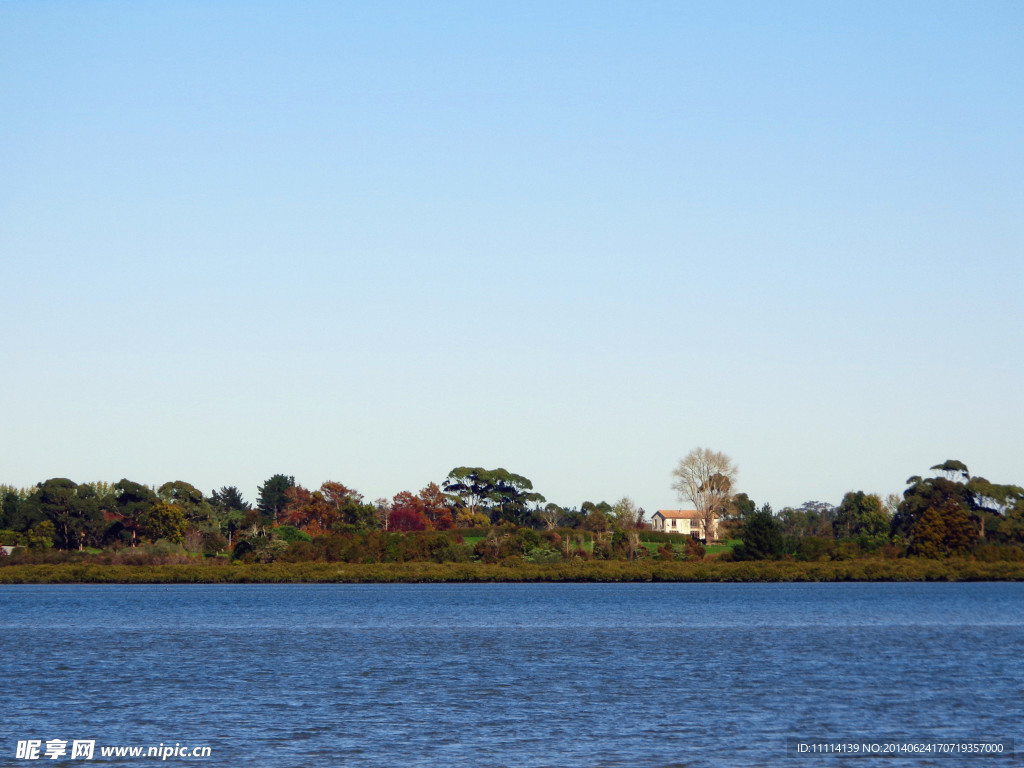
pixel 680 514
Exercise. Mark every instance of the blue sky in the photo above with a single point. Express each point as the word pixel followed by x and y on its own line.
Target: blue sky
pixel 370 242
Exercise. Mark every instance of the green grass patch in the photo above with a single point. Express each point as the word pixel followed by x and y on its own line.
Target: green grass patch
pixel 724 546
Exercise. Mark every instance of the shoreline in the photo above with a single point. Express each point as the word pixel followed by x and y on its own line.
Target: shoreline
pixel 600 571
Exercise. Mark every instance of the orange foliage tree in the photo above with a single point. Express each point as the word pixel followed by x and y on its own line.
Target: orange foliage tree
pixel 316 512
pixel 430 509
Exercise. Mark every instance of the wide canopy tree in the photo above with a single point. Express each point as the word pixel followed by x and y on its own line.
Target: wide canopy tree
pixel 503 495
pixel 74 510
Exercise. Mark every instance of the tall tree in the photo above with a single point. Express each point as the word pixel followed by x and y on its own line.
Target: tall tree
pixel 991 501
pixel 861 514
pixel 436 506
pixel 189 500
pixel 705 478
pixel 629 518
pixel 165 521
pixel 934 516
pixel 11 509
pixel 762 539
pixel 470 486
pixel 406 513
pixel 229 509
pixel 812 518
pixel 552 516
pixel 273 496
pixel 332 505
pixel 503 494
pixel 227 498
pixel 74 511
pixel 954 470
pixel 134 503
pixel 348 505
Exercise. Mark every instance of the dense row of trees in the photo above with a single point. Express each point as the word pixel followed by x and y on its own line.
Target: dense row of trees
pixel 950 513
pixel 73 516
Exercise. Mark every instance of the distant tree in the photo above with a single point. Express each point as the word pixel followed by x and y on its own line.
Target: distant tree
pixel 102 489
pixel 349 506
pixel 953 469
pixel 272 497
pixel 10 509
pixel 229 510
pixel 306 510
pixel 503 495
pixel 406 514
pixel 471 486
pixel 598 516
pixel 382 512
pixel 861 514
pixel 736 510
pixel 935 516
pixel 430 507
pixel 165 521
pixel 705 478
pixel 1011 528
pixel 930 532
pixel 333 505
pixel 990 502
pixel 40 535
pixel 436 506
pixel 762 539
pixel 551 516
pixel 189 500
pixel 740 505
pixel 228 498
pixel 133 505
pixel 73 510
pixel 892 504
pixel 628 518
pixel 812 518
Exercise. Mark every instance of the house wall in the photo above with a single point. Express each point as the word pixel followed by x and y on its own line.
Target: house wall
pixel 689 527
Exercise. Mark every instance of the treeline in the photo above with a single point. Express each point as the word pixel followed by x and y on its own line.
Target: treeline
pixel 949 514
pixel 485 516
pixel 61 514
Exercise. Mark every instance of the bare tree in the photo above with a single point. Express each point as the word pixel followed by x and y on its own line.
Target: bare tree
pixel 551 515
pixel 705 479
pixel 629 517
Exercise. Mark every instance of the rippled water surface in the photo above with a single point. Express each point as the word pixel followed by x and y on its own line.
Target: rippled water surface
pixel 510 675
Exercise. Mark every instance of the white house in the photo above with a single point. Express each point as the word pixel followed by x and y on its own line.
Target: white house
pixel 689 522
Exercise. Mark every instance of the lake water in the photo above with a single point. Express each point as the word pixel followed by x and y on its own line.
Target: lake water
pixel 510 675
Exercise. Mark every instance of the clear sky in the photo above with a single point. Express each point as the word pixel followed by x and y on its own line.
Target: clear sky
pixel 372 241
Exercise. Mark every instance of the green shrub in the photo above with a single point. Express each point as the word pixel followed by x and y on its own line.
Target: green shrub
pixel 694 549
pixel 538 555
pixel 666 552
pixel 528 538
pixel 291 534
pixel 996 553
pixel 11 538
pixel 814 548
pixel 40 535
pixel 214 543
